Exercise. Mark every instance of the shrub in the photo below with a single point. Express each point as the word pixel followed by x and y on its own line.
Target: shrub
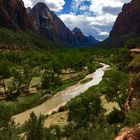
pixel 133 116
pixel 116 116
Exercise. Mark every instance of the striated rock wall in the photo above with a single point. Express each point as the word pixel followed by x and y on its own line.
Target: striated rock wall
pixel 128 21
pixel 13 15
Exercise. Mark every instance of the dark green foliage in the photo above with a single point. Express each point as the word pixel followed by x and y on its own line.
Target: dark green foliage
pixel 116 116
pixel 24 40
pixel 4 74
pixel 133 116
pixel 120 59
pixel 10 132
pixel 114 86
pixel 93 66
pixel 91 133
pixel 21 104
pixel 34 128
pixel 85 108
pixel 5 114
pixel 122 41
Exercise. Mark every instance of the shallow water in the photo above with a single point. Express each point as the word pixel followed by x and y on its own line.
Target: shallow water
pixel 62 97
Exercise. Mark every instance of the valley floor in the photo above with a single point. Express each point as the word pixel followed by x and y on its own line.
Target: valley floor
pixel 62 97
pixel 82 107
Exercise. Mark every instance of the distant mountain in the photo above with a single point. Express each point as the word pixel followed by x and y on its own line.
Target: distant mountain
pixel 13 16
pixel 79 35
pixel 92 40
pixel 87 40
pixel 128 21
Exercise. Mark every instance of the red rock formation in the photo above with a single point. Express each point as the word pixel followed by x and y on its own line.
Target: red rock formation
pixel 50 25
pixel 129 134
pixel 13 15
pixel 128 21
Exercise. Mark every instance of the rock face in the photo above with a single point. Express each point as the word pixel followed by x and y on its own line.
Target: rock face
pixel 80 37
pixel 92 40
pixel 50 25
pixel 13 15
pixel 128 21
pixel 129 134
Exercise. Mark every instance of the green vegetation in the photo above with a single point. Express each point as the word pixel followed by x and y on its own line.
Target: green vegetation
pixel 130 41
pixel 116 116
pixel 91 116
pixel 134 65
pixel 19 70
pixel 21 104
pixel 86 114
pixel 133 116
pixel 93 66
pixel 90 106
pixel 85 81
pixel 11 40
pixel 114 86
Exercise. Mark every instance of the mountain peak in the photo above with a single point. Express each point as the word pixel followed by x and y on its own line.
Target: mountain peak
pixel 90 40
pixel 80 36
pixel 76 29
pixel 90 36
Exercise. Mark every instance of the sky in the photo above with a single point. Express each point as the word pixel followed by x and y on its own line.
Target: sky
pixel 93 17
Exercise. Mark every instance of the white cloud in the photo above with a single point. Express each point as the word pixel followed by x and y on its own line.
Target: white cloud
pixel 98 5
pixel 99 25
pixel 83 8
pixel 103 33
pixel 27 3
pixel 55 5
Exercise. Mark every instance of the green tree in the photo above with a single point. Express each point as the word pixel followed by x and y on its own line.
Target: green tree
pixel 90 107
pixel 34 127
pixel 4 74
pixel 114 86
pixel 116 116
